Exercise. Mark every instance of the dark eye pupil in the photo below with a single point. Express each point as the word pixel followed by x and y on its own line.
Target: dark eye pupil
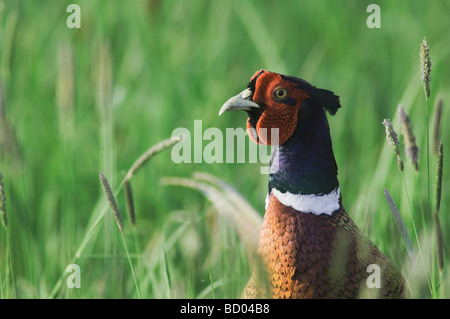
pixel 281 93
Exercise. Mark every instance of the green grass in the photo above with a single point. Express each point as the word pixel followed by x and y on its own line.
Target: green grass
pixel 142 69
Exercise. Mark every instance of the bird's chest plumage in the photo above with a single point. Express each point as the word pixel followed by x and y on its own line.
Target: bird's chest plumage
pixel 311 256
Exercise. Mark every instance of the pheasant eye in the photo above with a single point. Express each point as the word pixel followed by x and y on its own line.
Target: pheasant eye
pixel 281 94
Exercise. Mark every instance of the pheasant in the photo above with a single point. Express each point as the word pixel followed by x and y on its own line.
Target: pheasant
pixel 309 245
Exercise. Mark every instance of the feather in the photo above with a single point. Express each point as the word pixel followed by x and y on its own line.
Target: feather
pixel 326 99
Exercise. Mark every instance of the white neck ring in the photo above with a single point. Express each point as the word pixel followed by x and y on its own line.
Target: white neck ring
pixel 313 204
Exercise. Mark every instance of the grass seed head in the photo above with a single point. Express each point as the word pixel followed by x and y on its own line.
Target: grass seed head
pixel 129 201
pixel 411 148
pixel 439 167
pixel 400 164
pixel 425 67
pixel 112 201
pixel 437 223
pixel 392 138
pixel 400 224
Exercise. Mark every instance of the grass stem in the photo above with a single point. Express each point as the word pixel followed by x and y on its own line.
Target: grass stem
pixel 428 156
pixel 430 283
pixel 101 209
pixel 131 266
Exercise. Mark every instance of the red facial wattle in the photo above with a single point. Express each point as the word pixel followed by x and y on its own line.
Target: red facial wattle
pixel 279 117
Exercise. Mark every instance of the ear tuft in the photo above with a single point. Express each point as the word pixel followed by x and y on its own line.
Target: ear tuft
pixel 326 99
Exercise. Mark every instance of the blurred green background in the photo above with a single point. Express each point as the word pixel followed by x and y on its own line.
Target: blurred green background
pixel 82 101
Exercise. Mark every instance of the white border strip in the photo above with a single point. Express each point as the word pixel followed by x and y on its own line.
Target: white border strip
pixel 314 204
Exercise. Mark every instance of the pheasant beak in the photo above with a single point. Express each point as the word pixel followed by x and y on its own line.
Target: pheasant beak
pixel 240 102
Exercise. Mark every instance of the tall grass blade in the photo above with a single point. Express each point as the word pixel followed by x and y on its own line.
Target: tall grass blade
pixel 9 273
pixel 247 230
pixel 9 146
pixel 437 126
pixel 3 215
pixel 167 277
pixel 439 243
pixel 211 283
pixel 65 89
pixel 8 44
pixel 144 158
pixel 97 216
pixel 245 208
pixel 118 217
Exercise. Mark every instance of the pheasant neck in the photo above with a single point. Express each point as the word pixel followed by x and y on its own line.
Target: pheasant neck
pixel 303 170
